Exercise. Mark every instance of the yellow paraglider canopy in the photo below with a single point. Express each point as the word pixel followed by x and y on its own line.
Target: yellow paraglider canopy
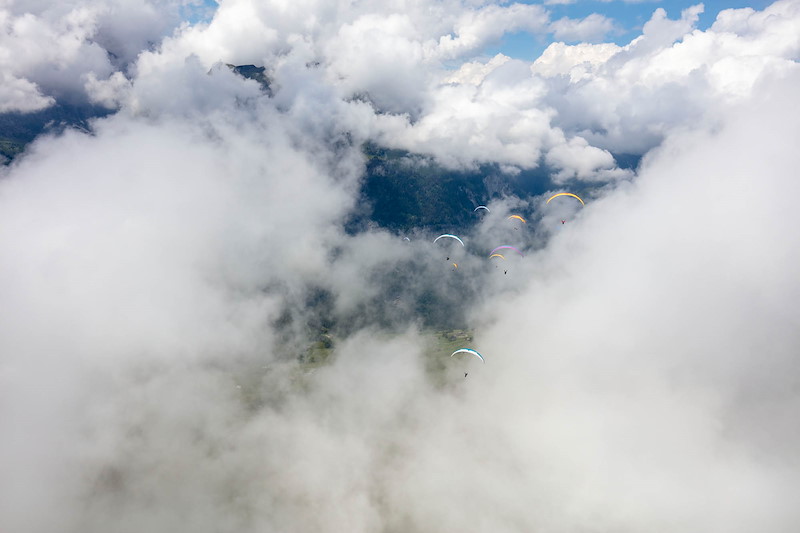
pixel 565 194
pixel 518 218
pixel 497 255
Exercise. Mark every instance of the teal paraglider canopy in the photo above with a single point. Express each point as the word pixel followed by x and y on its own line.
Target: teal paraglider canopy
pixel 469 351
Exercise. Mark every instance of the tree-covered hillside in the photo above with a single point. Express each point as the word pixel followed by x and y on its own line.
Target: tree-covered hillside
pixel 402 191
pixel 17 130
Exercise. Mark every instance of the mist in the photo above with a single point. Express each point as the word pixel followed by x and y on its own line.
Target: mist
pixel 191 338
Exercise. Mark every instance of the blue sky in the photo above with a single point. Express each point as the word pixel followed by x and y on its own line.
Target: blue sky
pixel 200 13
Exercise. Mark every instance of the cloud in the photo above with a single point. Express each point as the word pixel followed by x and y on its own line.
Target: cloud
pixel 577 159
pixel 48 51
pixel 475 29
pixel 499 120
pixel 375 55
pixel 142 248
pixel 661 31
pixel 580 61
pixel 391 62
pixel 592 28
pixel 617 99
pixel 167 277
pixel 661 277
pixel 474 72
pixel 109 92
pixel 19 94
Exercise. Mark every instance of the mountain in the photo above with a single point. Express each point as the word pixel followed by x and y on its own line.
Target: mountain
pixel 255 73
pixel 402 191
pixel 17 130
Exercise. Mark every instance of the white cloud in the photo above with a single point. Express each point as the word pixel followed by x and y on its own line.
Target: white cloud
pixel 160 276
pixel 592 28
pixel 500 120
pixel 650 342
pixel 653 324
pixel 48 50
pixel 668 78
pixel 110 92
pixel 476 29
pixel 377 55
pixel 19 94
pixel 660 31
pixel 578 61
pixel 577 159
pixel 473 73
pixel 143 248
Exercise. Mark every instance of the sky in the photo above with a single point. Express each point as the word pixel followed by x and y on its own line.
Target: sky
pixel 161 271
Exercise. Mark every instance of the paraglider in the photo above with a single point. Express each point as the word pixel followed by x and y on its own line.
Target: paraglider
pixel 469 351
pixel 562 220
pixel 455 266
pixel 506 247
pixel 501 256
pixel 518 218
pixel 565 194
pixel 482 207
pixel 448 236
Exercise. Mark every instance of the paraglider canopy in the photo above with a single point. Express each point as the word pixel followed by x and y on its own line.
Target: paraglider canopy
pixel 518 218
pixel 481 207
pixel 565 194
pixel 469 351
pixel 505 247
pixel 501 256
pixel 448 236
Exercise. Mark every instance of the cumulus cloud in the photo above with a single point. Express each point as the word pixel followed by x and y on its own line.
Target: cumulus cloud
pixel 592 28
pixel 19 94
pixel 618 99
pixel 578 61
pixel 500 119
pixel 477 28
pixel 47 51
pixel 474 72
pixel 393 62
pixel 576 158
pixel 109 92
pixel 169 279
